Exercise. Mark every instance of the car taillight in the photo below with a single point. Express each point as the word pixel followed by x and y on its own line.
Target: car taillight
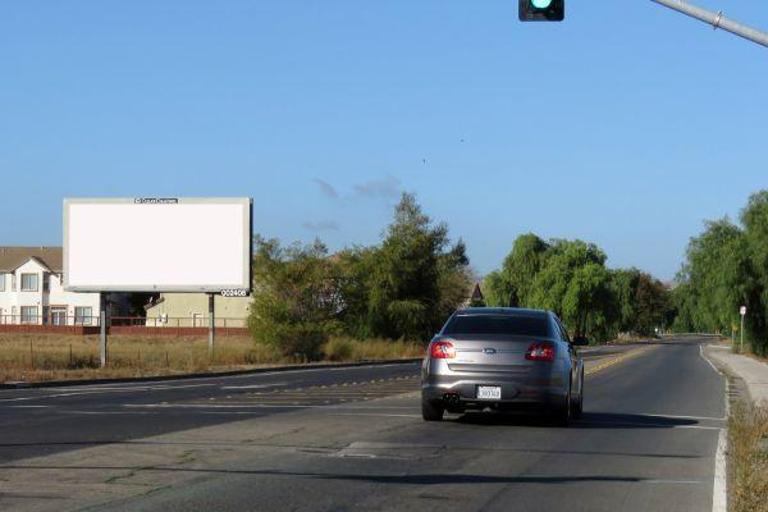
pixel 540 352
pixel 442 349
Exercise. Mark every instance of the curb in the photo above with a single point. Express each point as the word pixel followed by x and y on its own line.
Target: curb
pixel 206 375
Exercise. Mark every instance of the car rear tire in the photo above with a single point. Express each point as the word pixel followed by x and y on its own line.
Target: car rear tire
pixel 431 411
pixel 562 415
pixel 579 404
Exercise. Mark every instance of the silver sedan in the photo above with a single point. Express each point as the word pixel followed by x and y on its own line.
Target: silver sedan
pixel 503 359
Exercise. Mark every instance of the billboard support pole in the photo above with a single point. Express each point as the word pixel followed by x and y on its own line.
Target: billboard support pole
pixel 103 328
pixel 211 325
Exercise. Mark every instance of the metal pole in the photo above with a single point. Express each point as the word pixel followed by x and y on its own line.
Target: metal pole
pixel 103 328
pixel 717 20
pixel 211 324
pixel 741 348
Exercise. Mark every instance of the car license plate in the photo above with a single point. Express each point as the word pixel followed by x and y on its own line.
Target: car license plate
pixel 489 392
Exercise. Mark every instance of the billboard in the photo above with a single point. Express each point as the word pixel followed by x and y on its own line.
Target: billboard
pixel 158 245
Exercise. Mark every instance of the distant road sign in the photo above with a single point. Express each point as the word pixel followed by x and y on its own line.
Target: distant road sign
pixel 743 310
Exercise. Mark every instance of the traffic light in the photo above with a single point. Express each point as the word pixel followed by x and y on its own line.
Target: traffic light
pixel 542 10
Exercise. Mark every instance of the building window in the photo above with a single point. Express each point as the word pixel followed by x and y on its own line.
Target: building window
pixel 59 315
pixel 46 282
pixel 83 315
pixel 29 314
pixel 29 282
pixel 2 282
pixel 13 282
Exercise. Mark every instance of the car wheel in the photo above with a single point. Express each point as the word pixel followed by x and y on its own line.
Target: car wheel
pixel 431 411
pixel 578 406
pixel 563 414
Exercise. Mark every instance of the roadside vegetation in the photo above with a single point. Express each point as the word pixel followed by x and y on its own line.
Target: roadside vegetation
pixel 570 278
pixel 402 289
pixel 748 457
pixel 369 302
pixel 727 267
pixel 42 357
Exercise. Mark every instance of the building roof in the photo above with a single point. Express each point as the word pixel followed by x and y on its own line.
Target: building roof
pixel 12 258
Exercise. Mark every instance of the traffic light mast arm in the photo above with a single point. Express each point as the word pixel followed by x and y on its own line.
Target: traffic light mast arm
pixel 717 20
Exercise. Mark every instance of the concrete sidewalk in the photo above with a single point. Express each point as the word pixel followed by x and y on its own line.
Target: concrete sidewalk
pixel 753 372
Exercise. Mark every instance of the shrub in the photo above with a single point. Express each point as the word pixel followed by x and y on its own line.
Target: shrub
pixel 339 349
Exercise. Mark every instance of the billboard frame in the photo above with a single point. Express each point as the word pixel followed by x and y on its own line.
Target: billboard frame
pixel 209 288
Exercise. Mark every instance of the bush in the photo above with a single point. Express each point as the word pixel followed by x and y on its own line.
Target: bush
pixel 301 342
pixel 295 298
pixel 338 349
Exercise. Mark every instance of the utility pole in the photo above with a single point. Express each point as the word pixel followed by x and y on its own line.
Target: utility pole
pixel 717 20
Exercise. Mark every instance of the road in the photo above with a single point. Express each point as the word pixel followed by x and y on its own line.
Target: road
pixel 353 439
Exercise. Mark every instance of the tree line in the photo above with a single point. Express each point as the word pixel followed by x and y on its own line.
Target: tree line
pixel 406 286
pixel 403 288
pixel 570 278
pixel 726 267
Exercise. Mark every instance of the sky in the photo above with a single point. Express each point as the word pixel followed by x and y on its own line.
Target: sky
pixel 627 125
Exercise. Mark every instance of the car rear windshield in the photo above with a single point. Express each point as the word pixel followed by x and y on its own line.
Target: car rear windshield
pixel 497 324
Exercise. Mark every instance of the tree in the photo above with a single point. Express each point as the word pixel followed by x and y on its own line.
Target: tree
pixel 651 303
pixel 551 284
pixel 296 297
pixel 511 285
pixel 717 272
pixel 415 276
pixel 589 303
pixel 570 278
pixel 755 290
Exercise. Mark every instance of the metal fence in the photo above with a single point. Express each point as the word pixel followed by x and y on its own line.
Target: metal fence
pixel 161 326
pixel 52 320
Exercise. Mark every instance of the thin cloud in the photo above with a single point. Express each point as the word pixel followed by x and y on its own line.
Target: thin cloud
pixel 388 188
pixel 321 225
pixel 326 188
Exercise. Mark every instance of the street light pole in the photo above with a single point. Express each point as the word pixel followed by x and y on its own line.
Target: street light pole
pixel 717 20
pixel 743 313
pixel 741 343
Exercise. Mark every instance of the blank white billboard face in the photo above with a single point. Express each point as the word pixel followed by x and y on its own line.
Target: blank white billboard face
pixel 193 245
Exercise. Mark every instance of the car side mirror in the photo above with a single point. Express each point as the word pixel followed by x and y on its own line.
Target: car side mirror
pixel 580 341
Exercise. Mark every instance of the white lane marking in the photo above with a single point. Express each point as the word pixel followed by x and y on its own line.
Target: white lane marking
pixel 677 417
pixel 136 387
pixel 376 415
pixel 727 406
pixel 701 353
pixel 258 406
pixel 256 386
pixel 695 427
pixel 106 413
pixel 719 487
pixel 28 406
pixel 608 424
pixel 67 392
pixel 41 397
pixel 224 406
pixel 674 482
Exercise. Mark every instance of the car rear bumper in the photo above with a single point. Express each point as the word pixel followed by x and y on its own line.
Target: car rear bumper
pixel 540 388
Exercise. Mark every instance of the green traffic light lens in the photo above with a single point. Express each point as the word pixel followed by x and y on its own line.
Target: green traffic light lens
pixel 541 4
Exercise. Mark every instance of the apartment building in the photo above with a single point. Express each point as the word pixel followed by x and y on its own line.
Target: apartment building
pixel 31 290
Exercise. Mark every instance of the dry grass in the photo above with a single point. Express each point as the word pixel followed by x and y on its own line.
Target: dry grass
pixel 347 349
pixel 748 457
pixel 41 357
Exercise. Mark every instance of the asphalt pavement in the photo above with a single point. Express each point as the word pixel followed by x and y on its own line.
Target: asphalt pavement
pixel 353 439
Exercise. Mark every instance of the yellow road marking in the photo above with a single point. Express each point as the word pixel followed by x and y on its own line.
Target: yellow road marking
pixel 611 361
